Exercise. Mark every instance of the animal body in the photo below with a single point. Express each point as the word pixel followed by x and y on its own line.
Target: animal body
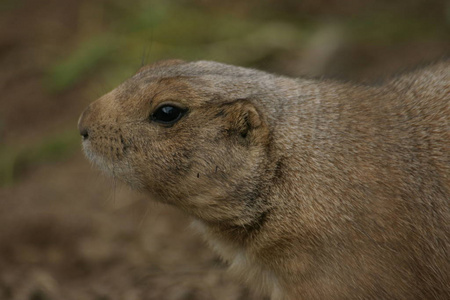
pixel 309 189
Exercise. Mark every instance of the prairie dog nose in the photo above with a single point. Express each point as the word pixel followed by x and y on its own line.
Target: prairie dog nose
pixel 82 127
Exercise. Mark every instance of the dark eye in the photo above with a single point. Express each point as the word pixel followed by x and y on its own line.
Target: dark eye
pixel 168 114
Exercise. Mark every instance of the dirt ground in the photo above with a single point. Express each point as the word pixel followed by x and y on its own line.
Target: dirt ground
pixel 66 232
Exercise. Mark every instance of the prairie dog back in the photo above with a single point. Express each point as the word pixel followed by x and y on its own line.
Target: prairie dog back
pixel 309 189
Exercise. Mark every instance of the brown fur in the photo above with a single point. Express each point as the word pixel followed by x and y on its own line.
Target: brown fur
pixel 309 189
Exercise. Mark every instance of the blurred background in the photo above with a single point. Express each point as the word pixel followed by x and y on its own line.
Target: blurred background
pixel 66 232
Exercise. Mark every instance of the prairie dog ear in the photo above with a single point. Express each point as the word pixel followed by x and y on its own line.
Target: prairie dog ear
pixel 245 122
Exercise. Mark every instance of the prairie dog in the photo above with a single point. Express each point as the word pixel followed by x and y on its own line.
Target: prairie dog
pixel 309 189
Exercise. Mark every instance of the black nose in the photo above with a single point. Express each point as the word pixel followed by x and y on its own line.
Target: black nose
pixel 84 133
pixel 82 127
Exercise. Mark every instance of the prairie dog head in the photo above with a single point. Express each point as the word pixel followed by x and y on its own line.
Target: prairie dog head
pixel 171 130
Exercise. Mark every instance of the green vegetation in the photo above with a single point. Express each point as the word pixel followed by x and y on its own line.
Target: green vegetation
pixel 152 30
pixel 82 61
pixel 10 4
pixel 15 159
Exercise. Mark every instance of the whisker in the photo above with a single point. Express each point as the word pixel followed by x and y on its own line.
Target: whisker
pixel 147 50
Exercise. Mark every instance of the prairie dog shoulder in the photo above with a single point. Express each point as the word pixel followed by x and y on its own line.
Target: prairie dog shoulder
pixel 312 189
